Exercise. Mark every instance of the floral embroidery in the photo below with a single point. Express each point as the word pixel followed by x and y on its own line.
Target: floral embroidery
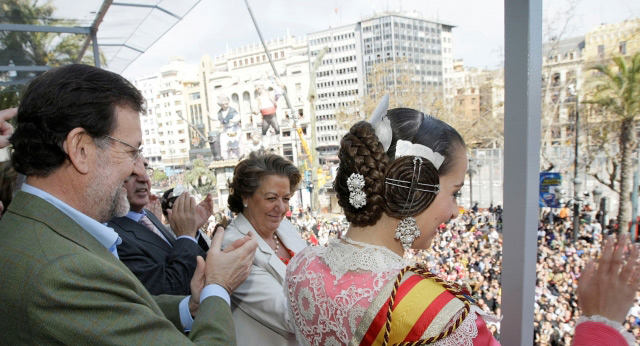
pixel 305 298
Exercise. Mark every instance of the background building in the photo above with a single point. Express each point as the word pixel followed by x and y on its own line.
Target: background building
pixel 409 44
pixel 234 75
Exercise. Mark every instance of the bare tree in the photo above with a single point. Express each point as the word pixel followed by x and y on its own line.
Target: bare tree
pixel 483 128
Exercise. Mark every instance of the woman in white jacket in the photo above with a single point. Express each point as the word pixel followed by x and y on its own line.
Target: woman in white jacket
pixel 261 188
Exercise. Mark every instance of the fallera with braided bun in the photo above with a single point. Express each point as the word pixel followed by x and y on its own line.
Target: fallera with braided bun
pixel 360 287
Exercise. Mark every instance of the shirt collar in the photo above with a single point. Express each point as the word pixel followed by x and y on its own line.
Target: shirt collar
pixel 136 216
pixel 103 234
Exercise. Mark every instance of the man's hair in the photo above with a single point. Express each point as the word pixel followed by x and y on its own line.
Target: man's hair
pixel 60 100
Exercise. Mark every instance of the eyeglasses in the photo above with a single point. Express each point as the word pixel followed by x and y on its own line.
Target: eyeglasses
pixel 134 154
pixel 149 170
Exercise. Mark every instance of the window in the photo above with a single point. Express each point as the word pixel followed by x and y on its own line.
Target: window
pixel 622 47
pixel 287 150
pixel 601 51
pixel 194 96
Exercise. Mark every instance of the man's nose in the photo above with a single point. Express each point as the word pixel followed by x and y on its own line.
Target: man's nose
pixel 138 168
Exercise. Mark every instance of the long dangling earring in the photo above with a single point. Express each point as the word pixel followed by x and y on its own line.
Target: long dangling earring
pixel 407 232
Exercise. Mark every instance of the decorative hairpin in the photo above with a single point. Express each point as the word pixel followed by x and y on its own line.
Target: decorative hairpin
pixel 355 184
pixel 417 165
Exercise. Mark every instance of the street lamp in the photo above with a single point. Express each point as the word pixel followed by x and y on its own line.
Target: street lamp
pixel 596 194
pixel 577 182
pixel 311 194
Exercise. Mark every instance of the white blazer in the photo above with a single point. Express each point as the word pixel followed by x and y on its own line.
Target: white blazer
pixel 258 304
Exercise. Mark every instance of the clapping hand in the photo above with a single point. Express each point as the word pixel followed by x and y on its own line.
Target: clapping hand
pixel 6 130
pixel 608 288
pixel 182 216
pixel 231 266
pixel 227 268
pixel 154 206
pixel 204 210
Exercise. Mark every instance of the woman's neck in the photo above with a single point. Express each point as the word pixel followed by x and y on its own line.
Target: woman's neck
pixel 380 234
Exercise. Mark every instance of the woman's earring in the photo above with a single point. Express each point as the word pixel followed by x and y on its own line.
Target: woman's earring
pixel 245 205
pixel 407 232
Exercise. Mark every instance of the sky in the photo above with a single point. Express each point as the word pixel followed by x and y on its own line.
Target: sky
pixel 478 37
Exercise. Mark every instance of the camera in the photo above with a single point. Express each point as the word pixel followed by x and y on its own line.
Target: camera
pixel 169 198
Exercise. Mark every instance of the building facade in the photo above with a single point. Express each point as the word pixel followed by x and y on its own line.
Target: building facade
pixel 234 76
pixel 409 44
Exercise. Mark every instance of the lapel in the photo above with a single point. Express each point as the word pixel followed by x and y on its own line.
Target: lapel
pixel 276 267
pixel 36 208
pixel 290 237
pixel 141 232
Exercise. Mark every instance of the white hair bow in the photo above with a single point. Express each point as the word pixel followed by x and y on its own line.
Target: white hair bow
pixel 406 148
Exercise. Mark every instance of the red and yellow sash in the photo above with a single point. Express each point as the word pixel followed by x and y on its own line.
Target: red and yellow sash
pixel 422 308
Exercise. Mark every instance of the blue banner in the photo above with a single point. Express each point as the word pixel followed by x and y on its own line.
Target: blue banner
pixel 548 184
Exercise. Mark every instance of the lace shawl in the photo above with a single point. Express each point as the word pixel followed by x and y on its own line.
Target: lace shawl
pixel 329 289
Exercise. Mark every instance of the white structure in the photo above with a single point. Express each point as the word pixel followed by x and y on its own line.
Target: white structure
pixel 148 86
pixel 234 74
pixel 353 50
pixel 164 132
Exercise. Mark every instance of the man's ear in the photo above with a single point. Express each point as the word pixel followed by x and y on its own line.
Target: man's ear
pixel 78 146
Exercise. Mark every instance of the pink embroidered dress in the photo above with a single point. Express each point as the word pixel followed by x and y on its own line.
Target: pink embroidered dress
pixel 337 295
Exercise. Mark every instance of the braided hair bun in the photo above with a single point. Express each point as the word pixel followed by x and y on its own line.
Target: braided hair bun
pixel 361 153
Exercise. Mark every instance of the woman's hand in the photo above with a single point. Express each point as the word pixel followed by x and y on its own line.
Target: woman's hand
pixel 608 289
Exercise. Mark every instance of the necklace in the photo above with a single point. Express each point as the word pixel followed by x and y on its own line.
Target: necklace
pixel 291 253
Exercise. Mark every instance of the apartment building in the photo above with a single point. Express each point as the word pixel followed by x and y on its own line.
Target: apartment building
pixel 148 86
pixel 562 81
pixel 352 51
pixel 477 92
pixel 609 40
pixel 165 131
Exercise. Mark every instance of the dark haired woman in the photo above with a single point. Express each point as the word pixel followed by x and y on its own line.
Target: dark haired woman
pixel 261 188
pixel 398 180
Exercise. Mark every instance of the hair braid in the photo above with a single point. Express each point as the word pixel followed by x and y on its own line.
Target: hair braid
pixel 361 152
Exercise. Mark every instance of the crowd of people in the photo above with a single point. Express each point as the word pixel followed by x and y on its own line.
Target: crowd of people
pixel 468 251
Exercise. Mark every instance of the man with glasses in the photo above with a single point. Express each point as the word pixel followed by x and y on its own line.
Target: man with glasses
pixel 77 141
pixel 164 263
